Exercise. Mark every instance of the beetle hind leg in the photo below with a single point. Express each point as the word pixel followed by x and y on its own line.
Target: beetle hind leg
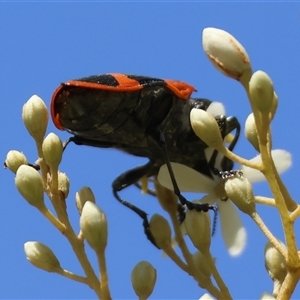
pixel 126 179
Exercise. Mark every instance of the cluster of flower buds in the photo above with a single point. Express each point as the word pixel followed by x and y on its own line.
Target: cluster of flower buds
pixel 33 185
pixel 230 57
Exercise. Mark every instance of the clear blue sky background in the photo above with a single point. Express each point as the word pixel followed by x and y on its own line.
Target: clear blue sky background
pixel 44 44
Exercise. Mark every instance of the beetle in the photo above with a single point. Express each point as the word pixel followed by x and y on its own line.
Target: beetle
pixel 143 116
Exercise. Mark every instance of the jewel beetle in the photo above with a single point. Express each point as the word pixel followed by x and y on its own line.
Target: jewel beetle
pixel 143 116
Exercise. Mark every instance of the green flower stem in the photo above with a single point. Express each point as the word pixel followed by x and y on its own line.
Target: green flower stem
pixel 78 248
pixel 289 284
pixel 240 160
pixel 103 275
pixel 295 214
pixel 77 244
pixel 265 201
pixel 47 213
pixel 265 230
pixel 269 172
pixel 290 203
pixel 203 281
pixel 222 286
pixel 245 78
pixel 57 202
pixel 80 236
pixel 54 177
pixel 72 276
pixel 176 259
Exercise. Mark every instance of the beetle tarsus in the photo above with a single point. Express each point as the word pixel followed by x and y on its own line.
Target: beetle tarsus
pixel 230 173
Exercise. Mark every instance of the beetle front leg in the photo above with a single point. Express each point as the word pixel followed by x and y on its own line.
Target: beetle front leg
pixel 158 136
pixel 126 179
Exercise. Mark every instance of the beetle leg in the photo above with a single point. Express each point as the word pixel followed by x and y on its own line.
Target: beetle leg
pixel 227 125
pixel 78 140
pixel 126 179
pixel 158 136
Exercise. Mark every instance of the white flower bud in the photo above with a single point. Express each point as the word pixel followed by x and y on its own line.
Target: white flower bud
pixel 94 226
pixel 14 159
pixel 275 263
pixel 143 278
pixel 261 92
pixel 41 256
pixel 202 263
pixel 274 107
pixel 197 224
pixel 52 150
pixel 206 128
pixel 160 230
pixel 30 185
pixel 251 132
pixel 35 117
pixel 167 198
pixel 225 52
pixel 206 297
pixel 239 191
pixel 63 184
pixel 267 296
pixel 83 195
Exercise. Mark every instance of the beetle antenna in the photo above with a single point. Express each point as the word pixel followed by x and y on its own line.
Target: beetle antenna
pixel 215 221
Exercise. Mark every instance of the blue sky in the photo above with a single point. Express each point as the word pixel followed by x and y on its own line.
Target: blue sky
pixel 44 44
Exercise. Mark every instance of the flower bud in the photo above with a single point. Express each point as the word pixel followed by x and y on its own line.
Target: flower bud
pixel 274 107
pixel 14 159
pixel 143 278
pixel 267 296
pixel 206 297
pixel 30 185
pixel 160 230
pixel 144 185
pixel 239 191
pixel 261 92
pixel 275 263
pixel 52 150
pixel 225 53
pixel 251 132
pixel 35 117
pixel 197 226
pixel 167 198
pixel 41 256
pixel 94 226
pixel 206 128
pixel 202 263
pixel 83 195
pixel 63 184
